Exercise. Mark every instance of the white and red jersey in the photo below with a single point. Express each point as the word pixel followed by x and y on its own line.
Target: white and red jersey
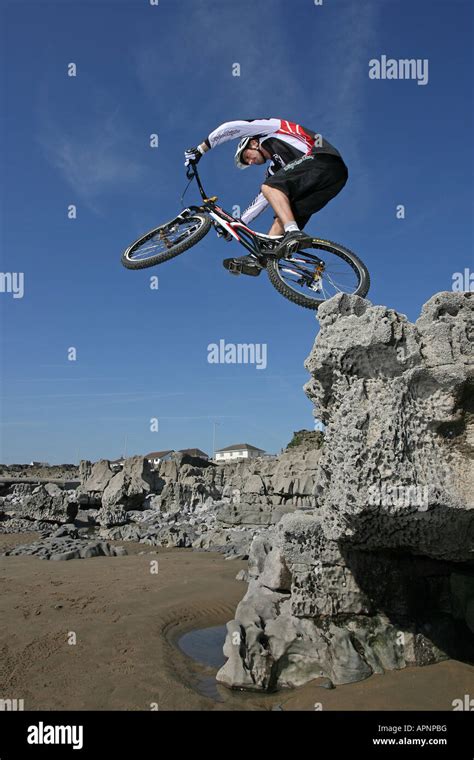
pixel 284 140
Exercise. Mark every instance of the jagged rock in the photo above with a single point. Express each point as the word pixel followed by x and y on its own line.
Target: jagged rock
pixel 399 417
pixel 152 501
pixel 65 472
pixel 65 548
pixel 94 480
pixel 276 575
pixel 131 485
pixel 234 543
pixel 378 575
pixel 20 490
pixel 250 514
pixel 321 623
pixel 159 533
pixel 123 533
pixel 20 525
pixel 85 469
pixel 185 483
pixel 46 502
pixel 110 516
pixel 86 517
pixel 307 440
pixel 64 531
pixel 172 535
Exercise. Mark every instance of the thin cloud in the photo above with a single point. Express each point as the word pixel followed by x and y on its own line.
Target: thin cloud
pixel 94 159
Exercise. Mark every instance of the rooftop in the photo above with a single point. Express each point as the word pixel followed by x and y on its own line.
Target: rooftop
pixel 194 453
pixel 239 447
pixel 158 454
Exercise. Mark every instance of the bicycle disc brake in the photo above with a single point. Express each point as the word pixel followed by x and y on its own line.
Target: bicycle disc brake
pixel 165 240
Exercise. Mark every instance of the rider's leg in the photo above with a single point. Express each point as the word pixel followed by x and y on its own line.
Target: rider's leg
pixel 279 203
pixel 293 238
pixel 315 201
pixel 276 228
pixel 310 183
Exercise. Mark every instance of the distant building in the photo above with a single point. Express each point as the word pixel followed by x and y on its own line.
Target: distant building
pixel 117 464
pixel 39 464
pixel 194 453
pixel 238 451
pixel 155 457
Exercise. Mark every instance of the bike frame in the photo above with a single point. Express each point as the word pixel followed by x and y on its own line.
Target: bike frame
pixel 255 242
pixel 260 245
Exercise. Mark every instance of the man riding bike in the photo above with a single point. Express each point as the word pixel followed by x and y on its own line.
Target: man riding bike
pixel 304 174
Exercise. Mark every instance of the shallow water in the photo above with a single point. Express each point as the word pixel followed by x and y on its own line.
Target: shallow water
pixel 204 645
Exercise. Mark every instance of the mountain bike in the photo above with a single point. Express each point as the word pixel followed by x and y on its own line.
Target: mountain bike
pixel 305 278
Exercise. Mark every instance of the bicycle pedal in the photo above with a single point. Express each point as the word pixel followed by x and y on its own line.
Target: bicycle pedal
pixel 291 248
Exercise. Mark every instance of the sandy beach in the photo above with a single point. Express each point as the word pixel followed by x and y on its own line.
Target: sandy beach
pixel 126 620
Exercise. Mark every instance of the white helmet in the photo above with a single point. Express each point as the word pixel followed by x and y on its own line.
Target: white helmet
pixel 240 149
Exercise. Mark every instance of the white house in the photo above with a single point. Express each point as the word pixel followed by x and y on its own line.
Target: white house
pixel 155 457
pixel 238 451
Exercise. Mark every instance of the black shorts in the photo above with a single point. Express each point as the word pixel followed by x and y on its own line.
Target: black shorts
pixel 310 182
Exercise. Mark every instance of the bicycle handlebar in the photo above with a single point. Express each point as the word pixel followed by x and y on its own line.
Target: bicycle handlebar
pixel 192 173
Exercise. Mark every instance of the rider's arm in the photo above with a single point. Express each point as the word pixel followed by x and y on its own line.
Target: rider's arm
pixel 256 207
pixel 259 204
pixel 231 130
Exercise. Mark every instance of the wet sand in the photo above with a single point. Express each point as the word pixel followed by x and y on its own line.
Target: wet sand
pixel 126 621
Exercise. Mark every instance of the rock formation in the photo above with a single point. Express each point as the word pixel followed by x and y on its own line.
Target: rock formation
pixel 47 502
pixel 380 573
pixel 184 502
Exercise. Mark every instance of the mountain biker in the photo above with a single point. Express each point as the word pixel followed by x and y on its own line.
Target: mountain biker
pixel 304 174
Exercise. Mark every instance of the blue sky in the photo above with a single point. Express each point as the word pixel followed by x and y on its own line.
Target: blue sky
pixel 84 140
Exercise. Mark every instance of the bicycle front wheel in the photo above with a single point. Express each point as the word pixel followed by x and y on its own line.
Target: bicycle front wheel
pixel 166 241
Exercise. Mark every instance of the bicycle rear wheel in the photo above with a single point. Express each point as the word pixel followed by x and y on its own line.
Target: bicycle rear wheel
pixel 166 241
pixel 310 277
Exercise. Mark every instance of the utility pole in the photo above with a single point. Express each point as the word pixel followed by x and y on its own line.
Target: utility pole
pixel 214 439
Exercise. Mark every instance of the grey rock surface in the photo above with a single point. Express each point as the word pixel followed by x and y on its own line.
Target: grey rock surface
pixel 94 480
pixel 65 548
pixel 110 516
pixel 379 574
pixel 46 502
pixel 130 486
